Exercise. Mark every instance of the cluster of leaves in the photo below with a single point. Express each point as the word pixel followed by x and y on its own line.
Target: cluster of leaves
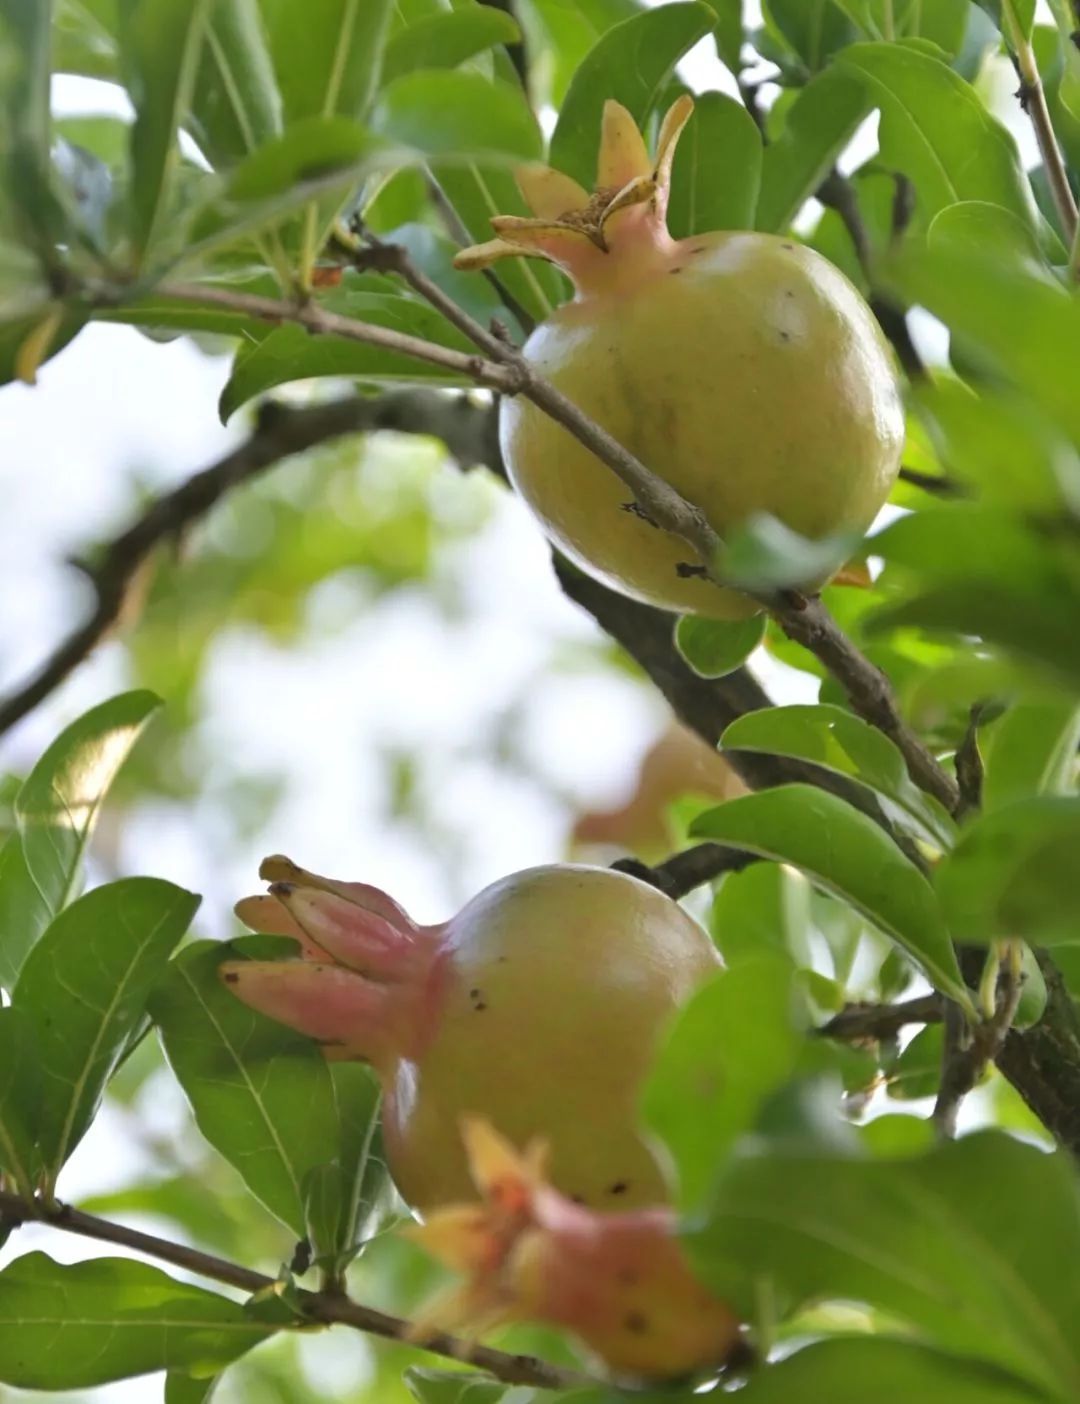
pixel 909 1268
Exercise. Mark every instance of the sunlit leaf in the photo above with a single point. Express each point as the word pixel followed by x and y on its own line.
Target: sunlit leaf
pixel 838 740
pixel 1032 750
pixel 817 127
pixel 901 1371
pixel 161 45
pixel 327 56
pixel 716 175
pixel 736 1041
pixel 75 1326
pixel 1013 873
pixel 923 1239
pixel 850 856
pixel 631 63
pixel 457 116
pixel 20 1076
pixel 84 987
pixel 445 40
pixel 56 810
pixel 262 1095
pixel 716 647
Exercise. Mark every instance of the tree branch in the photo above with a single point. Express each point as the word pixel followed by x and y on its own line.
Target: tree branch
pixel 1033 100
pixel 882 1022
pixel 328 1308
pixel 466 429
pixel 694 867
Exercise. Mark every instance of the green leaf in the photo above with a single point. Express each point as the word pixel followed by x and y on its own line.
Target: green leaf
pixel 75 1326
pixel 991 574
pixel 290 353
pixel 814 29
pixel 58 805
pixel 728 32
pixel 311 148
pixel 836 739
pixel 1023 12
pixel 445 40
pixel 917 1071
pixel 716 176
pixel 1022 323
pixel 56 810
pixel 25 124
pixel 327 57
pixel 1013 873
pixel 764 908
pixel 841 1371
pixel 235 103
pixel 261 1094
pixel 987 229
pixel 631 63
pixel 20 1077
pixel 162 42
pixel 850 856
pixel 818 125
pixel 181 1388
pixel 923 1239
pixel 342 1197
pixel 716 647
pixel 935 129
pixel 1032 751
pixel 566 33
pixel 478 190
pixel 85 38
pixel 458 116
pixel 732 1045
pixel 452 1386
pixel 763 553
pixel 85 987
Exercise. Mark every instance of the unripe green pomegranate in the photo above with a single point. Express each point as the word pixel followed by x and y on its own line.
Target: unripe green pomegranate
pixel 743 368
pixel 538 1006
pixel 619 1281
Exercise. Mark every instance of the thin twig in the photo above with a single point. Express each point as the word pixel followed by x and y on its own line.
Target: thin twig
pixel 328 1308
pixel 969 764
pixel 933 483
pixel 694 867
pixel 882 1022
pixel 1033 100
pixel 869 692
pixel 280 432
pixel 969 1050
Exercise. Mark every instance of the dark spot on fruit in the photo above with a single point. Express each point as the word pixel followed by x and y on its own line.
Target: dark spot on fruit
pixel 578 1198
pixel 636 1323
pixel 480 1006
pixel 789 293
pixel 474 994
pixel 789 246
pixel 619 1187
pixel 674 270
pixel 785 336
pixel 627 1276
pixel 700 248
pixel 503 960
pixel 232 978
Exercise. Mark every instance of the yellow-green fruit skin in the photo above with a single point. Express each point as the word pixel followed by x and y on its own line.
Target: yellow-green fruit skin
pixel 555 987
pixel 744 369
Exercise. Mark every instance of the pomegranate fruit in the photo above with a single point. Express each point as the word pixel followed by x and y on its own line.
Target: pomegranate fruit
pixel 743 368
pixel 619 1281
pixel 539 1006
